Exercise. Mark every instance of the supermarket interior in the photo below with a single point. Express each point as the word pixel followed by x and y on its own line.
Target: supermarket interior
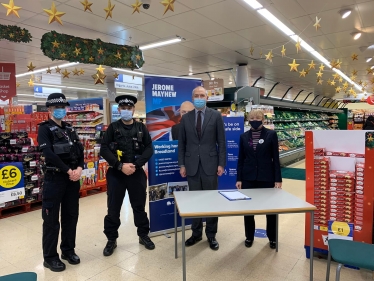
pixel 307 66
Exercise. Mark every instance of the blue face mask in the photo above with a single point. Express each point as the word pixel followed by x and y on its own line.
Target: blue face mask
pixel 59 113
pixel 126 115
pixel 199 103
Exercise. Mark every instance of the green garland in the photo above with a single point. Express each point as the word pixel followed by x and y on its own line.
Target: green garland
pixel 369 140
pixel 14 33
pixel 58 46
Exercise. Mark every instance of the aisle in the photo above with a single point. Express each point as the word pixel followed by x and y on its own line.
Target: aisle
pixel 20 250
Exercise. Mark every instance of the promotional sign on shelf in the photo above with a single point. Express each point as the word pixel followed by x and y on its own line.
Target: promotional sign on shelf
pixel 11 182
pixel 215 89
pixel 128 82
pixel 340 230
pixel 44 92
pixel 163 96
pixel 8 87
pixel 234 127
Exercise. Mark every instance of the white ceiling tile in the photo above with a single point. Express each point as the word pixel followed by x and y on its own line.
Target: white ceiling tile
pixel 161 55
pixel 289 8
pixel 135 36
pixel 366 12
pixel 174 66
pixel 332 22
pixel 152 61
pixel 197 24
pixel 205 46
pixel 196 4
pixel 157 9
pixel 166 30
pixel 233 57
pixel 344 38
pixel 210 60
pixel 305 26
pixel 231 41
pixel 322 42
pixel 242 19
pixel 315 6
pixel 180 50
pixel 263 35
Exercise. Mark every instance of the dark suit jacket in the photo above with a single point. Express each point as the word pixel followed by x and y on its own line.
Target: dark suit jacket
pixel 210 150
pixel 175 131
pixel 262 165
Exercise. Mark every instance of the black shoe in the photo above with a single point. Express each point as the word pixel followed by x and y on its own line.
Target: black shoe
pixel 72 259
pixel 147 242
pixel 213 243
pixel 248 243
pixel 192 240
pixel 55 265
pixel 273 244
pixel 109 248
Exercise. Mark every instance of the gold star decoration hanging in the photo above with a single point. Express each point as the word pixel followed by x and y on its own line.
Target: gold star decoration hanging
pixel 372 81
pixel 11 8
pixel 261 54
pixel 115 75
pixel 317 25
pixel 345 85
pixel 11 35
pixel 369 70
pixel 319 74
pixel 365 84
pixel 283 51
pixel 169 5
pixel 359 82
pixel 312 65
pixel 338 89
pixel 336 76
pixel 77 51
pixel 54 15
pixel 31 67
pixel 76 72
pixel 298 45
pixel 86 5
pixel 81 71
pixel 109 9
pixel 91 59
pixel 353 78
pixel 293 65
pixel 351 91
pixel 55 44
pixel 49 71
pixel 340 79
pixel 338 64
pixel 332 83
pixel 354 57
pixel 31 83
pixel 118 55
pixel 269 56
pixel 18 84
pixel 100 51
pixel 58 70
pixel 98 77
pixel 100 69
pixel 251 50
pixel 354 72
pixel 322 67
pixel 329 81
pixel 319 81
pixel 136 6
pixel 333 63
pixel 63 55
pixel 66 74
pixel 302 73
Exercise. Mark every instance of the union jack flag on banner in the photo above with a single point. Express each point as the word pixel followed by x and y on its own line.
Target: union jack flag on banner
pixel 160 121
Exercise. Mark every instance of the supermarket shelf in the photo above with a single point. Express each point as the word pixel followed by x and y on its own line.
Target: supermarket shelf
pixel 80 120
pixel 291 156
pixel 87 125
pixel 84 111
pixel 301 120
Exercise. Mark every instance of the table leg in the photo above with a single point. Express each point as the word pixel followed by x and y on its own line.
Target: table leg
pixel 175 230
pixel 311 244
pixel 277 233
pixel 183 249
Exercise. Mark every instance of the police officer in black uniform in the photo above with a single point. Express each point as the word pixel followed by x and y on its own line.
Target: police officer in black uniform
pixel 127 147
pixel 64 160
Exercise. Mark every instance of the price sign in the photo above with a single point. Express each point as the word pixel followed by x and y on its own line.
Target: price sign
pixel 340 230
pixel 11 182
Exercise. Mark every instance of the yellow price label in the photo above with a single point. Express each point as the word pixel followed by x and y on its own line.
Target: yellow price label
pixel 90 165
pixel 10 176
pixel 21 197
pixel 323 228
pixel 340 228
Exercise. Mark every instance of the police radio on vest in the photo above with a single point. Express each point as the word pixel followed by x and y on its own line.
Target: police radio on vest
pixel 160 90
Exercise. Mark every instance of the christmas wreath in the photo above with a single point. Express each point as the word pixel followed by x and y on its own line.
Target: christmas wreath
pixel 14 33
pixel 58 46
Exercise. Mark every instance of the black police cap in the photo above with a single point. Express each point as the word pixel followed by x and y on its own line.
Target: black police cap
pixel 126 100
pixel 56 99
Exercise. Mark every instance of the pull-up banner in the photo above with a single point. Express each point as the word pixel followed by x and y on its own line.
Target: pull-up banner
pixel 163 99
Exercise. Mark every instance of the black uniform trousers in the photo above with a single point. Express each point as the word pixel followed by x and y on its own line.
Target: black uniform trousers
pixel 58 191
pixel 201 181
pixel 136 186
pixel 249 221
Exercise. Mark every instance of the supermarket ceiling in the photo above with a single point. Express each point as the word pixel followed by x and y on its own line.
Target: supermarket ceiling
pixel 218 35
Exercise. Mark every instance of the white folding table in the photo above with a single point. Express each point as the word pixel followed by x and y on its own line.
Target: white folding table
pixel 210 203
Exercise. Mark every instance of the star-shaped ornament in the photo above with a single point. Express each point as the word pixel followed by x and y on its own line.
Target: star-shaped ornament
pixel 340 79
pixel 54 15
pixel 251 50
pixel 353 78
pixel 49 71
pixel 336 76
pixel 338 64
pixel 31 67
pixel 319 74
pixel 298 45
pixel 359 82
pixel 354 72
pixel 55 44
pixel 63 55
pixel 115 75
pixel 86 5
pixel 76 72
pixel 338 89
pixel 354 57
pixel 98 77
pixel 293 65
pixel 11 8
pixel 372 80
pixel 31 83
pixel 319 81
pixel 332 83
pixel 18 84
pixel 269 56
pixel 77 51
pixel 345 85
pixel 352 91
pixel 136 6
pixel 118 55
pixel 329 81
pixel 302 73
pixel 100 51
pixel 100 69
pixel 58 70
pixel 11 35
pixel 322 67
pixel 312 65
pixel 283 51
pixel 91 59
pixel 81 71
pixel 365 84
pixel 369 70
pixel 65 74
pixel 109 9
pixel 317 25
pixel 169 5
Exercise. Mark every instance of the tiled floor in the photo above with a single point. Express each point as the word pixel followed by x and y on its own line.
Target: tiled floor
pixel 20 250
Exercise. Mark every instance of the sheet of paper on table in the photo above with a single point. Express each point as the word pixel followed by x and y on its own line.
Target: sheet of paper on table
pixel 234 195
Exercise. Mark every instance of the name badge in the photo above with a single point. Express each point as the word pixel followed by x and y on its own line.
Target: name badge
pixel 261 141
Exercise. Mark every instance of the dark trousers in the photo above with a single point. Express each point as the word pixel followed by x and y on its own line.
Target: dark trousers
pixel 249 221
pixel 58 191
pixel 136 186
pixel 202 181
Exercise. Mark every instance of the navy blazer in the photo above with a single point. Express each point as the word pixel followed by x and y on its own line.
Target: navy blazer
pixel 262 164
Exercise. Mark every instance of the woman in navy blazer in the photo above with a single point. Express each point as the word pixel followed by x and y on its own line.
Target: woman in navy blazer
pixel 259 167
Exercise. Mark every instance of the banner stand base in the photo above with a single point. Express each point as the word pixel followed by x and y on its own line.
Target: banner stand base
pixel 167 231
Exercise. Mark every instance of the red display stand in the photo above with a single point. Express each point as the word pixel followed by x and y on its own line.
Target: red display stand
pixel 352 202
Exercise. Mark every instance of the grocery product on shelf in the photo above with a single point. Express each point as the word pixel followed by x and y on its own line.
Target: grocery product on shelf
pixel 333 122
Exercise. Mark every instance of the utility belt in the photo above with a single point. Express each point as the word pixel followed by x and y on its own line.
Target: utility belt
pixel 46 169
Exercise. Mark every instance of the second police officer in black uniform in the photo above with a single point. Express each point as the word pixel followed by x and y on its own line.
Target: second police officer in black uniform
pixel 64 160
pixel 127 147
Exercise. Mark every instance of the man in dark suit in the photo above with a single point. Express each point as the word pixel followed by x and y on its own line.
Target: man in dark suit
pixel 186 107
pixel 202 157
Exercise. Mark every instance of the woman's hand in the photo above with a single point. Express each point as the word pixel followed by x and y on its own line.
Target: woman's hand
pixel 278 185
pixel 239 185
